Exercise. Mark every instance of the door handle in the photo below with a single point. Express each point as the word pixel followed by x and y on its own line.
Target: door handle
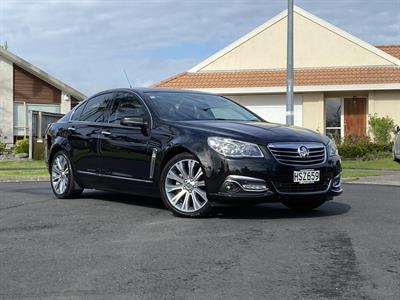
pixel 105 132
pixel 72 128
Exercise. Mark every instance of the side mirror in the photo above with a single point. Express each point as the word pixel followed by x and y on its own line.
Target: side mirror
pixel 134 122
pixel 396 129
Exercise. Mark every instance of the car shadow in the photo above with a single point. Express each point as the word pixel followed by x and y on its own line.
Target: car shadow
pixel 150 202
pixel 279 211
pixel 259 211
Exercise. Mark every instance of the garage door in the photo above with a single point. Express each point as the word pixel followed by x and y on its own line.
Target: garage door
pixel 271 107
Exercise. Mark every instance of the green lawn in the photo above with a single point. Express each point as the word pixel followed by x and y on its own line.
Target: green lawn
pixel 22 164
pixel 360 173
pixel 24 173
pixel 379 164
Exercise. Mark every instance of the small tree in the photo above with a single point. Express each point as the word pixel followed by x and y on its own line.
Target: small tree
pixel 2 145
pixel 381 128
pixel 21 146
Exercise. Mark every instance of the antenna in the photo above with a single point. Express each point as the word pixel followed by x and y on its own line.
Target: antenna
pixel 127 78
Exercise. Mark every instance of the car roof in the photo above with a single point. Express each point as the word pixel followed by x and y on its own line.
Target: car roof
pixel 147 90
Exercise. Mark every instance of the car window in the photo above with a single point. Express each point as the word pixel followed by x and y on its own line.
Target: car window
pixel 77 112
pixel 191 106
pixel 126 105
pixel 96 109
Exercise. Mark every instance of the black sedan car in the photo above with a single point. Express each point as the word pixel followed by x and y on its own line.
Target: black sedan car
pixel 193 149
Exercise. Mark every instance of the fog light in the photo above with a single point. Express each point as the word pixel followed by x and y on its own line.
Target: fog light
pixel 231 187
pixel 237 183
pixel 255 187
pixel 337 181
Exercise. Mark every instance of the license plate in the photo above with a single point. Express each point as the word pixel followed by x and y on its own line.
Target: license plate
pixel 306 176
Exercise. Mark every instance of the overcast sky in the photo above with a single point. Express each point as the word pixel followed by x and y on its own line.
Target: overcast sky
pixel 87 44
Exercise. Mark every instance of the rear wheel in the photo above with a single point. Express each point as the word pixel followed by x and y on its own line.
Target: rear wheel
pixel 183 188
pixel 303 205
pixel 62 177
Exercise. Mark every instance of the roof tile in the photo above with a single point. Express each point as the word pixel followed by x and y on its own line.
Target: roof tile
pixel 275 78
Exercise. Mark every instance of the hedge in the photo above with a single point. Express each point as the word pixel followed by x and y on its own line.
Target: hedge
pixel 363 150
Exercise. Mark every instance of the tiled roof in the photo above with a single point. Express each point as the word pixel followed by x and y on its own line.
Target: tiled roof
pixel 393 50
pixel 275 78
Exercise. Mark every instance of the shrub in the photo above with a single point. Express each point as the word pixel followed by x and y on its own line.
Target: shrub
pixel 2 147
pixel 381 128
pixel 363 150
pixel 21 146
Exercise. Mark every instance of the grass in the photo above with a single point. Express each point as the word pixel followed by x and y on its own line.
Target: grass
pixel 24 173
pixel 9 164
pixel 359 173
pixel 378 164
pixel 22 164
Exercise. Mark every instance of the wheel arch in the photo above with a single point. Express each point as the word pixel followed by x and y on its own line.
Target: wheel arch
pixel 53 150
pixel 172 152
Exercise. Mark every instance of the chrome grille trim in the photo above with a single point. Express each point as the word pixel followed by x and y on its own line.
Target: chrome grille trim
pixel 287 154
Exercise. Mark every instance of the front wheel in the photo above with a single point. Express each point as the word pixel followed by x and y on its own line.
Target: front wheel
pixel 62 177
pixel 303 205
pixel 183 187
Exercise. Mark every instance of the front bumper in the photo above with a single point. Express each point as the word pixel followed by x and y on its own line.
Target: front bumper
pixel 266 180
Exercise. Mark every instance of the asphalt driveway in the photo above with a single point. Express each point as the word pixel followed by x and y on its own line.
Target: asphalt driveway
pixel 111 246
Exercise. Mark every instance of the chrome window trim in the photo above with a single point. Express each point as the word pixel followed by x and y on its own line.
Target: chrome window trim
pixel 114 92
pixel 145 104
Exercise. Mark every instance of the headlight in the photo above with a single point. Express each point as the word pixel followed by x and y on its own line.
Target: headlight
pixel 234 148
pixel 331 148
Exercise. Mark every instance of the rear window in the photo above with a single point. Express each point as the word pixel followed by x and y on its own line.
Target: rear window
pixel 95 109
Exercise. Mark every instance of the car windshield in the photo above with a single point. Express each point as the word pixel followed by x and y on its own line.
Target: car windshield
pixel 191 106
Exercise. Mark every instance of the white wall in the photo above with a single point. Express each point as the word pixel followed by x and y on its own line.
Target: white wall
pixel 271 107
pixel 6 101
pixel 65 105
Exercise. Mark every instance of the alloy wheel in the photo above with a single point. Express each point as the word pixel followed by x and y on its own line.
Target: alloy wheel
pixel 60 174
pixel 185 186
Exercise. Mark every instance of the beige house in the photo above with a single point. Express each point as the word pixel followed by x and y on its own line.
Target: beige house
pixel 339 79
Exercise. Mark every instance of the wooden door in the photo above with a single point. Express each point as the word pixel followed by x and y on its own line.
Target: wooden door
pixel 355 116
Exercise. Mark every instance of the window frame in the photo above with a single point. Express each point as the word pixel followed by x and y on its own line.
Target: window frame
pixel 105 121
pixel 148 114
pixel 341 127
pixel 114 102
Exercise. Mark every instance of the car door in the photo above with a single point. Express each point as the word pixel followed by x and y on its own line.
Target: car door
pixel 124 150
pixel 84 129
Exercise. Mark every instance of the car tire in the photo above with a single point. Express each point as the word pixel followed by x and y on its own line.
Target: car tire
pixel 62 177
pixel 303 205
pixel 183 187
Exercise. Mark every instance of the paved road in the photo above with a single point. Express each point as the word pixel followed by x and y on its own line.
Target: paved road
pixel 110 246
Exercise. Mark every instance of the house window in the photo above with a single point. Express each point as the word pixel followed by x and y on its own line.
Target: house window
pixel 21 115
pixel 333 117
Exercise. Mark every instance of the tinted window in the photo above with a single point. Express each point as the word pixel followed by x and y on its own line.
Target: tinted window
pixel 96 109
pixel 126 105
pixel 77 112
pixel 191 106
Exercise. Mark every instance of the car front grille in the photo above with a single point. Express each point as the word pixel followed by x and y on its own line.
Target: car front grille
pixel 290 187
pixel 290 154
